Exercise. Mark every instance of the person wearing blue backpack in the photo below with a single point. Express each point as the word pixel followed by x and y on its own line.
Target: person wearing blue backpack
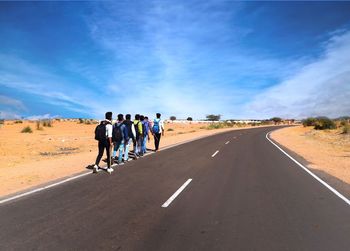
pixel 157 130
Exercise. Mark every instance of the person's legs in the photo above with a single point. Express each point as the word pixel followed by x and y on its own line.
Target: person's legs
pixel 126 149
pixel 144 142
pixel 115 149
pixel 121 150
pixel 100 153
pixel 135 148
pixel 108 151
pixel 157 140
pixel 139 147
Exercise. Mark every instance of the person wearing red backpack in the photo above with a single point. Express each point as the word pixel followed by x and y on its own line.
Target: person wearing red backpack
pixel 103 133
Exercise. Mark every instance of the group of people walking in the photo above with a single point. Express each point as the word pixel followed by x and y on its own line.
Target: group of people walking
pixel 117 137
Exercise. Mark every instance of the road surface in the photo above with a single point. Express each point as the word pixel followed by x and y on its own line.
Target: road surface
pixel 239 192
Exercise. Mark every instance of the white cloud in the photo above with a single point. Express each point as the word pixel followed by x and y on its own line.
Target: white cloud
pixel 20 74
pixel 175 64
pixel 9 115
pixel 319 88
pixel 44 116
pixel 14 103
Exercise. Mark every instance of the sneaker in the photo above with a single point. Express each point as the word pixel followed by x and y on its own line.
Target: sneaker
pixel 110 170
pixel 95 169
pixel 120 163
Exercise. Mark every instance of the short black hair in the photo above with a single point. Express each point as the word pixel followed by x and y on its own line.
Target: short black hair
pixel 142 118
pixel 108 115
pixel 120 117
pixel 137 116
pixel 158 115
pixel 146 117
pixel 127 116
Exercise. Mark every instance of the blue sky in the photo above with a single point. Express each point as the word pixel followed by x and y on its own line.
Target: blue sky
pixel 182 58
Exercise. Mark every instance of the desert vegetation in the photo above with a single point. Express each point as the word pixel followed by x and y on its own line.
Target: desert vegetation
pixel 27 129
pixel 87 121
pixel 325 123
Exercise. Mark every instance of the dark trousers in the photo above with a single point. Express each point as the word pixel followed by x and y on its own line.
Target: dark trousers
pixel 102 145
pixel 157 140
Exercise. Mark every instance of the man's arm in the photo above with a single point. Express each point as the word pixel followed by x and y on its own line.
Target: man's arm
pixel 109 133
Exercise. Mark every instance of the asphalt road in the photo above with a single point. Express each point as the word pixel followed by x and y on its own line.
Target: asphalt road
pixel 249 196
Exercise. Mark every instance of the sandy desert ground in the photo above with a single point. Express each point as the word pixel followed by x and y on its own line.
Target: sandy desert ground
pixel 66 148
pixel 327 153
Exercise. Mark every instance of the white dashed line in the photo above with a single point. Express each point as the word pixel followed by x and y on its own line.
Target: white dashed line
pixel 227 142
pixel 167 203
pixel 215 154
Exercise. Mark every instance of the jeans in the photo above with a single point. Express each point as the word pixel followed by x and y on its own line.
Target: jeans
pixel 126 149
pixel 144 144
pixel 139 143
pixel 136 150
pixel 102 145
pixel 119 146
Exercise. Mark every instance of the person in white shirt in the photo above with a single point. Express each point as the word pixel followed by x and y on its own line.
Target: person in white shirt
pixel 103 134
pixel 157 130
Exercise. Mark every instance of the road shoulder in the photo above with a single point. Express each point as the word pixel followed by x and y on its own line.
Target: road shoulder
pixel 321 152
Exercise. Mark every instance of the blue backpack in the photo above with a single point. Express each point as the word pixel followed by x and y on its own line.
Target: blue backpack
pixel 155 128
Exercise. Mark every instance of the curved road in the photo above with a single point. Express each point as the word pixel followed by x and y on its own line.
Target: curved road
pixel 246 196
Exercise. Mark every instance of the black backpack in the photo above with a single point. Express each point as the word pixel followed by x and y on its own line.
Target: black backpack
pixel 144 130
pixel 100 131
pixel 117 133
pixel 128 124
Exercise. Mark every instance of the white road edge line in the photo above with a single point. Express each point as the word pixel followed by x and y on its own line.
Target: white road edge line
pixel 49 186
pixel 23 194
pixel 43 188
pixel 347 201
pixel 167 203
pixel 227 142
pixel 215 153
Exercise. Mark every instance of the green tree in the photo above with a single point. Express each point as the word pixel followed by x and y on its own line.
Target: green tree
pixel 172 118
pixel 309 121
pixel 276 120
pixel 189 119
pixel 213 117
